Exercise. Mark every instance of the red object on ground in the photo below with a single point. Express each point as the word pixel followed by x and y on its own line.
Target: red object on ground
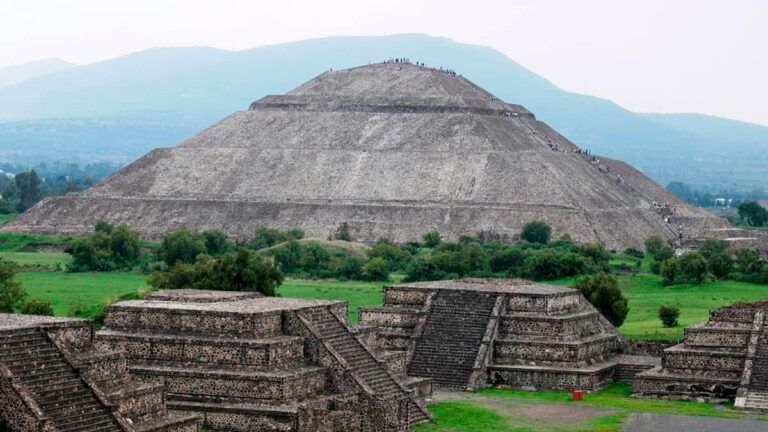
pixel 578 395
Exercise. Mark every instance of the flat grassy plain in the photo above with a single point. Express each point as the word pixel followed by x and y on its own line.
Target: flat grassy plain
pixel 7 217
pixel 500 410
pixel 644 291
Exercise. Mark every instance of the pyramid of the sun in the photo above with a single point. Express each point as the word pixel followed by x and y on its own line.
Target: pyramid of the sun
pixel 392 150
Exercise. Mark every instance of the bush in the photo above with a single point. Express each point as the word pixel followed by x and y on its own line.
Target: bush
pixel 104 227
pixel 11 292
pixel 712 247
pixel 432 239
pixel 536 232
pixel 240 270
pixel 424 269
pixel 108 248
pixel 36 307
pixel 268 237
pixel 288 257
pixel 377 269
pixel 668 315
pixel 653 244
pixel 216 242
pixel 690 268
pixel 604 294
pixel 547 264
pixel 720 264
pixel 397 257
pixel 343 232
pixel 182 245
pixel 352 268
pixel 634 253
pixel 506 258
pixel 597 252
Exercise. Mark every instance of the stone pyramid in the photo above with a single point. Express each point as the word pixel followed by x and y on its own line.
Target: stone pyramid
pixel 391 149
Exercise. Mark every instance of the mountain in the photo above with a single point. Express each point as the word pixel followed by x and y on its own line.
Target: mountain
pixel 15 74
pixel 206 84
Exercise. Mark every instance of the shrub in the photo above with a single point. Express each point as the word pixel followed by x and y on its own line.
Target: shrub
pixel 216 242
pixel 432 239
pixel 182 245
pixel 604 294
pixel 547 264
pixel 343 232
pixel 288 257
pixel 424 269
pixel 690 268
pixel 268 237
pixel 634 253
pixel 536 232
pixel 377 269
pixel 36 307
pixel 11 292
pixel 596 252
pixel 104 227
pixel 397 257
pixel 653 244
pixel 352 268
pixel 108 248
pixel 712 247
pixel 720 264
pixel 668 315
pixel 240 270
pixel 506 258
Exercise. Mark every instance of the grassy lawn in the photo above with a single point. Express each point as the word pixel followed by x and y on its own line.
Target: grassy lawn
pixel 11 242
pixel 501 410
pixel 7 217
pixel 82 289
pixel 356 293
pixel 37 258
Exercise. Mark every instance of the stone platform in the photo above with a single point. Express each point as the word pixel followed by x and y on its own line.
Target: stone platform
pixel 725 358
pixel 252 363
pixel 471 333
pixel 53 379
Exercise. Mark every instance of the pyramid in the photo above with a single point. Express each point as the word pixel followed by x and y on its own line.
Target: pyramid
pixel 392 150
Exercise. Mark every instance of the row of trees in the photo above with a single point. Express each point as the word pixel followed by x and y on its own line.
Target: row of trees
pixel 26 188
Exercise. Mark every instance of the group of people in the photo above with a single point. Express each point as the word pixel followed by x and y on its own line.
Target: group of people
pixel 406 60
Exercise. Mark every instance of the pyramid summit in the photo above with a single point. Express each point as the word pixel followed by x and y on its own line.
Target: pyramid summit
pixel 392 149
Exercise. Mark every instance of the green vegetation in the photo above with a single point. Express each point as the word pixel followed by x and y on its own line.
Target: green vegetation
pixel 11 291
pixel 501 410
pixel 669 314
pixel 108 248
pixel 753 213
pixel 7 217
pixel 603 292
pixel 11 242
pixel 356 293
pixel 36 307
pixel 53 260
pixel 536 232
pixel 89 290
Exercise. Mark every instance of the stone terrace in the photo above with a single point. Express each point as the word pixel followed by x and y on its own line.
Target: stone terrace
pixel 722 359
pixel 52 379
pixel 471 333
pixel 252 363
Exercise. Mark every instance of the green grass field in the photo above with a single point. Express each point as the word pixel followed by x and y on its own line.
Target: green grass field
pixel 11 242
pixel 644 291
pixel 501 410
pixel 88 289
pixel 7 218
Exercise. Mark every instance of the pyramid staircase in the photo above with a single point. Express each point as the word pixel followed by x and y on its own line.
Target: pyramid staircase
pixel 448 346
pixel 83 389
pixel 56 387
pixel 362 363
pixel 757 389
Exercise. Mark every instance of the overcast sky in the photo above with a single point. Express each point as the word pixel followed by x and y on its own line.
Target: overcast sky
pixel 707 56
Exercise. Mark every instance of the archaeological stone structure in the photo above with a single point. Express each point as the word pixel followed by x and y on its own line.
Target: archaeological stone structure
pixel 244 363
pixel 471 333
pixel 725 358
pixel 54 379
pixel 393 150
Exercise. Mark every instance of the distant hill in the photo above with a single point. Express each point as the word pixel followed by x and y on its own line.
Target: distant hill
pixel 15 74
pixel 194 86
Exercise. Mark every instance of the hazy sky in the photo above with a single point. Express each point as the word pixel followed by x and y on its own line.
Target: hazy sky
pixel 707 56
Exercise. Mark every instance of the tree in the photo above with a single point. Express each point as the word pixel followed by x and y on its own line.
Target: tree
pixel 105 250
pixel 432 239
pixel 11 292
pixel 352 268
pixel 103 226
pixel 690 268
pixel 654 244
pixel 396 257
pixel 241 270
pixel 604 294
pixel 36 307
pixel 753 213
pixel 182 245
pixel 377 269
pixel 124 246
pixel 216 242
pixel 536 232
pixel 28 187
pixel 668 315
